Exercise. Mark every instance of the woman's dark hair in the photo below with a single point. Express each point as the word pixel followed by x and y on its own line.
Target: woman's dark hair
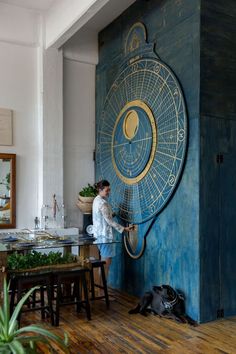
pixel 102 184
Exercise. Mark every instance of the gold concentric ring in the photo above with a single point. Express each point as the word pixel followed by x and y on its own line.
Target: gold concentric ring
pixel 130 128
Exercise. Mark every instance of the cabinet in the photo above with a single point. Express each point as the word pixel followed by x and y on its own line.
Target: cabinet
pixel 218 218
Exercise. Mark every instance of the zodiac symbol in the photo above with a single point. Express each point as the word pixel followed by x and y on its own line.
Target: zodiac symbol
pixel 152 208
pixel 157 68
pixel 176 92
pixel 171 180
pixel 114 86
pixel 181 135
pixel 135 68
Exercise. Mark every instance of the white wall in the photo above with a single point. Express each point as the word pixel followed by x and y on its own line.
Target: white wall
pixel 82 47
pixel 66 17
pixel 19 92
pixel 52 139
pixel 79 133
pixel 18 25
pixel 31 85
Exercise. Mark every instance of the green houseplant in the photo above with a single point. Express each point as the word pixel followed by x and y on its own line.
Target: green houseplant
pixel 86 197
pixel 34 259
pixel 88 191
pixel 24 340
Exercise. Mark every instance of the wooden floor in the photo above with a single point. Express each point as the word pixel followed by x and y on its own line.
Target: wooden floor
pixel 115 331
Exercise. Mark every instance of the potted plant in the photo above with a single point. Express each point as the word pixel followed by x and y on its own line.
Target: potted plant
pixel 86 197
pixel 23 340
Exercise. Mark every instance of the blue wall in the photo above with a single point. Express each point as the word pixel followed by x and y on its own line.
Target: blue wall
pixel 172 253
pixel 218 136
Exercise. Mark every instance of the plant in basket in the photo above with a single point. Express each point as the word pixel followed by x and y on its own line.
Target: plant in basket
pixel 86 197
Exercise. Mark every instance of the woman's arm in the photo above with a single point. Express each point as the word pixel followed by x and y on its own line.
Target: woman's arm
pixel 106 214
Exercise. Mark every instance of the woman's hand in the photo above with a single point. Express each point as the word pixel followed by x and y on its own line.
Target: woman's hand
pixel 129 228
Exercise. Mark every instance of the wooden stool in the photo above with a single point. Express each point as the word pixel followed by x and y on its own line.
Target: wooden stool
pixel 99 264
pixel 22 282
pixel 77 277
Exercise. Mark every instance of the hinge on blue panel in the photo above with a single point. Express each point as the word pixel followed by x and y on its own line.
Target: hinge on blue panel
pixel 220 313
pixel 219 158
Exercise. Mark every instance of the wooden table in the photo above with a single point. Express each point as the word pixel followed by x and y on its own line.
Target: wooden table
pixel 87 248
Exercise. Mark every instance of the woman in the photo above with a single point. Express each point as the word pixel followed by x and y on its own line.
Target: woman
pixel 103 223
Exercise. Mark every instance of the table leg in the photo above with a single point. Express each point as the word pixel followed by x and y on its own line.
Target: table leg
pixel 66 250
pixel 84 251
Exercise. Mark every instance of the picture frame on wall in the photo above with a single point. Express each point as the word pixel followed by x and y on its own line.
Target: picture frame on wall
pixel 6 127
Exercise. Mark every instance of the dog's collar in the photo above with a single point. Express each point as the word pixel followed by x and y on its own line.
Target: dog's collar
pixel 170 304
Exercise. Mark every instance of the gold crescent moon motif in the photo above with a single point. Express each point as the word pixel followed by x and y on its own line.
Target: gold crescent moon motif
pixel 130 125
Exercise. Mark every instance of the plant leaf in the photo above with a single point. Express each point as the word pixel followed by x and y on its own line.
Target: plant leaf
pixel 45 333
pixel 1 317
pixel 30 338
pixel 5 310
pixel 17 347
pixel 5 349
pixel 12 324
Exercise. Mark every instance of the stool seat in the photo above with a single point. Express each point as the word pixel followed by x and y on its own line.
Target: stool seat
pixel 77 277
pixel 99 264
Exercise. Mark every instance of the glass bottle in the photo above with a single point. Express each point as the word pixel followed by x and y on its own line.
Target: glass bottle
pixel 44 216
pixel 63 216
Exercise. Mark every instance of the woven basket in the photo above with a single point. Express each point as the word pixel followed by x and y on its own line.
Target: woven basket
pixel 86 199
pixel 86 208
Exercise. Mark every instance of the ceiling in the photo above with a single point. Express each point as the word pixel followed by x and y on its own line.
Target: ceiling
pixel 108 13
pixel 39 5
pixel 96 20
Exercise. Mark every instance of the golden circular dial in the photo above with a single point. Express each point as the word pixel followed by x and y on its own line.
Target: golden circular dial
pixel 134 142
pixel 141 139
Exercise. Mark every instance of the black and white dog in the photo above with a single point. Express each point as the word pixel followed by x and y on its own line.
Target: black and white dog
pixel 164 301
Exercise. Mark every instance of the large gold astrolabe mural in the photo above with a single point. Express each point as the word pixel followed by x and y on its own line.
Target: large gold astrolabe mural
pixel 142 135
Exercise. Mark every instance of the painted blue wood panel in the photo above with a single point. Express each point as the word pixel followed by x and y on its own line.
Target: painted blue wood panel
pixel 218 218
pixel 218 58
pixel 172 254
pixel 218 136
pixel 227 232
pixel 209 217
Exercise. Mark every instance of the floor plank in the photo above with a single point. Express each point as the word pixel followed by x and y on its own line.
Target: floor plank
pixel 115 331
